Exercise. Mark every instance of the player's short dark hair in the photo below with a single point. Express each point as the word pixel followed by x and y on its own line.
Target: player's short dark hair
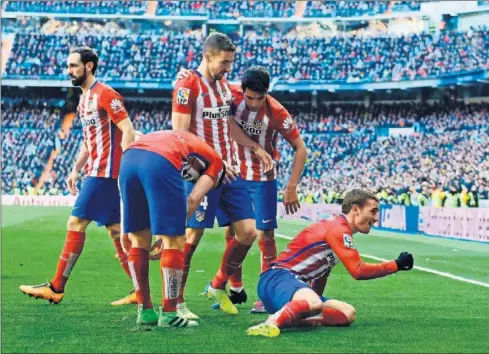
pixel 256 79
pixel 356 196
pixel 218 42
pixel 87 54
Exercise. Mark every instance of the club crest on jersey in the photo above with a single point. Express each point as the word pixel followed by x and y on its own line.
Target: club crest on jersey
pixel 288 123
pixel 215 112
pixel 183 95
pixel 348 241
pixel 200 216
pixel 116 105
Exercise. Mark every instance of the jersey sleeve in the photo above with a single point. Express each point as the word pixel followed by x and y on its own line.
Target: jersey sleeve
pixel 342 244
pixel 215 166
pixel 184 95
pixel 113 103
pixel 286 125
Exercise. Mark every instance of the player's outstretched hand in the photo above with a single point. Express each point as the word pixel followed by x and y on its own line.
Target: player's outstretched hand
pixel 183 74
pixel 405 261
pixel 265 158
pixel 231 173
pixel 291 200
pixel 71 182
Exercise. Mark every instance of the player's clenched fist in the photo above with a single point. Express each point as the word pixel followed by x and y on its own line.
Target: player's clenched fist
pixel 405 261
pixel 71 182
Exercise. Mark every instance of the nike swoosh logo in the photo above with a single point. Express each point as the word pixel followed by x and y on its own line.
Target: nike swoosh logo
pixel 266 221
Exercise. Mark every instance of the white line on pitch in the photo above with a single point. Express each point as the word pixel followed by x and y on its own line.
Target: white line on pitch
pixel 423 269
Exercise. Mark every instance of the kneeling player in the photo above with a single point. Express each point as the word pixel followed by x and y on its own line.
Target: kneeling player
pixel 153 199
pixel 310 256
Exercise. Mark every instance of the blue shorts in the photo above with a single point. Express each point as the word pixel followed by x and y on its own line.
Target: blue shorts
pixel 264 197
pixel 276 287
pixel 152 193
pixel 99 200
pixel 230 202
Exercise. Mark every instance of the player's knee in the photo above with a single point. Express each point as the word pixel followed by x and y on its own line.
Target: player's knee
pixel 76 224
pixel 247 235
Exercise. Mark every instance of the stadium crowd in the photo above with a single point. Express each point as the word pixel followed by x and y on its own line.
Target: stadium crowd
pixel 157 58
pixel 215 9
pixel 79 7
pixel 447 152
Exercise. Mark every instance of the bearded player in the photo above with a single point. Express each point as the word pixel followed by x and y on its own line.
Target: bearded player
pixel 202 104
pixel 284 289
pixel 107 131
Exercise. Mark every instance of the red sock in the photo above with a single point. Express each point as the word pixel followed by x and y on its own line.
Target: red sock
pixel 188 252
pixel 236 279
pixel 329 317
pixel 232 259
pixel 268 252
pixel 138 260
pixel 292 313
pixel 71 251
pixel 171 266
pixel 122 256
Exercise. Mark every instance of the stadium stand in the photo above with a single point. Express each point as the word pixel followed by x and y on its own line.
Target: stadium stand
pixel 152 58
pixel 80 7
pixel 345 147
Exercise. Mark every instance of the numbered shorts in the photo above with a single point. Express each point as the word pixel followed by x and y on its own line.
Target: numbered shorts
pixel 152 193
pixel 230 202
pixel 276 288
pixel 99 201
pixel 264 197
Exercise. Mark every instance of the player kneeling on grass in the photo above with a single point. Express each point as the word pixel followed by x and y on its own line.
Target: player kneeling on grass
pixel 153 198
pixel 310 257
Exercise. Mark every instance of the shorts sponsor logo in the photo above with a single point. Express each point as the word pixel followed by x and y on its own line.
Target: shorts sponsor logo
pixel 200 216
pixel 183 95
pixel 266 221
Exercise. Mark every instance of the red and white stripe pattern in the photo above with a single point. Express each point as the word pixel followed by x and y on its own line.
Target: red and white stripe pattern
pixel 257 126
pixel 101 136
pixel 309 262
pixel 210 118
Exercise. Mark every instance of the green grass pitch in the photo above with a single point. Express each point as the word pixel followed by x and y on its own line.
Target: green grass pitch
pixel 408 312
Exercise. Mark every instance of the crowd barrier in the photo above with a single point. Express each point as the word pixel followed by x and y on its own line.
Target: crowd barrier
pixel 461 223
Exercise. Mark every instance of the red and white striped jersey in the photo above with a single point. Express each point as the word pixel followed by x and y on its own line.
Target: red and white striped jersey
pixel 263 127
pixel 318 248
pixel 100 109
pixel 209 104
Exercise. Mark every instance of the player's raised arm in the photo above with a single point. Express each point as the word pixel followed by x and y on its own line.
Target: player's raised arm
pixel 80 161
pixel 183 100
pixel 342 244
pixel 360 211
